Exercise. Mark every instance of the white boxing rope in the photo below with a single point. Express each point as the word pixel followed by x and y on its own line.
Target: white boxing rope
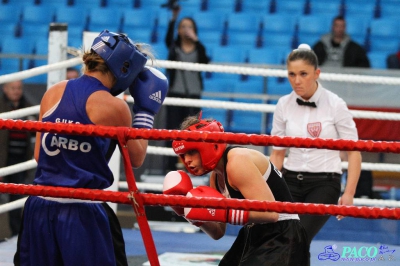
pixel 31 164
pixel 19 167
pixel 12 205
pixel 40 70
pixel 244 70
pixel 33 110
pixel 256 71
pixel 267 108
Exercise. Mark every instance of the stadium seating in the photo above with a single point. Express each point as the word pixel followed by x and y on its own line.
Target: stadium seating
pixel 331 7
pixel 147 21
pixel 10 13
pixel 72 15
pixel 378 59
pixel 254 6
pixel 38 14
pixel 293 7
pixel 100 19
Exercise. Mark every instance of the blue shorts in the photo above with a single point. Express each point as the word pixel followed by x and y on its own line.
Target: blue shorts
pixel 59 233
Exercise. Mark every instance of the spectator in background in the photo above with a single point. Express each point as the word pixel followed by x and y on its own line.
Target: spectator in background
pixel 72 73
pixel 393 61
pixel 15 145
pixel 183 84
pixel 337 49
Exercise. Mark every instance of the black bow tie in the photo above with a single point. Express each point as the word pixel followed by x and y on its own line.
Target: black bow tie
pixel 301 102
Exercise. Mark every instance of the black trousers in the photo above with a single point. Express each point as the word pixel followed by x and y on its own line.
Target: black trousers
pixel 314 190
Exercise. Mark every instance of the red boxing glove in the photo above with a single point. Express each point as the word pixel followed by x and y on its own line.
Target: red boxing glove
pixel 177 183
pixel 236 217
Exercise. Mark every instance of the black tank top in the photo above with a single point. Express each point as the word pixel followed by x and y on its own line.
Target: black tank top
pixel 275 182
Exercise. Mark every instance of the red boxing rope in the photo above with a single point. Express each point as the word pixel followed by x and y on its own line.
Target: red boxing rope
pixel 227 137
pixel 182 201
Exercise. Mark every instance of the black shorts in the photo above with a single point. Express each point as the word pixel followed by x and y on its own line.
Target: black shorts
pixel 281 243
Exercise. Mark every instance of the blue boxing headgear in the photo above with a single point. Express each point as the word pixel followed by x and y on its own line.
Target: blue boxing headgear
pixel 121 56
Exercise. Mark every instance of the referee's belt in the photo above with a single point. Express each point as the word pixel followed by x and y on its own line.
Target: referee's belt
pixel 303 175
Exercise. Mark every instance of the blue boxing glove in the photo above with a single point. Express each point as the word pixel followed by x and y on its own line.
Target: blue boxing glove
pixel 148 90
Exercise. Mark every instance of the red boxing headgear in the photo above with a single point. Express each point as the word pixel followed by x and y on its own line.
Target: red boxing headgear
pixel 210 153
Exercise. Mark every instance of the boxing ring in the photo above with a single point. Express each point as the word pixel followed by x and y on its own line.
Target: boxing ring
pixel 364 208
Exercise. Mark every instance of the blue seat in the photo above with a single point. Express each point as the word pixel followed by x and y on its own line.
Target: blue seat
pixel 312 27
pixel 76 42
pixel 120 4
pixel 103 18
pixel 38 79
pixel 138 35
pixel 17 46
pixel 10 13
pixel 309 38
pixel 210 37
pixel 266 55
pixel 245 39
pixel 378 59
pixel 38 14
pixel 8 29
pixel 390 9
pixel 14 46
pixel 250 6
pixel 279 23
pixel 248 122
pixel 242 22
pixel 75 32
pixel 10 65
pixel 53 3
pixel 72 15
pixel 33 30
pixel 249 87
pixel 218 114
pixel 356 7
pixel 357 27
pixel 219 85
pixel 87 4
pixel 386 28
pixel 325 7
pixel 293 7
pixel 136 18
pixel 221 5
pixel 228 54
pixel 275 39
pixel 194 5
pixel 386 44
pixel 278 86
pixel 41 46
pixel 314 24
pixel 210 20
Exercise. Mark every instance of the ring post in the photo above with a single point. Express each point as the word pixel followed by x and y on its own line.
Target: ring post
pixel 58 41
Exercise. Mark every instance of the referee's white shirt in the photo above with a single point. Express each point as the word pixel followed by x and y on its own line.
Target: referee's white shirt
pixel 330 120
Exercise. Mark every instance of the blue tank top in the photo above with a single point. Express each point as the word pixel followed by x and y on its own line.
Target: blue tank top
pixel 73 160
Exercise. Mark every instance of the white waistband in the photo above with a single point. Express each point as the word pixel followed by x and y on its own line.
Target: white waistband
pixel 288 216
pixel 67 200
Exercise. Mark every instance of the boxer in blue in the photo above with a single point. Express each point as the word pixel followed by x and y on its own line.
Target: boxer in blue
pixel 59 231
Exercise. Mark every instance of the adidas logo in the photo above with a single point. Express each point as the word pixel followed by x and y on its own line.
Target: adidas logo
pixel 105 38
pixel 156 96
pixel 98 45
pixel 211 211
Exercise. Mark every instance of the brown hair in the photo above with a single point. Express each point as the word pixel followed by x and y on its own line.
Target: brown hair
pixel 306 55
pixel 192 120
